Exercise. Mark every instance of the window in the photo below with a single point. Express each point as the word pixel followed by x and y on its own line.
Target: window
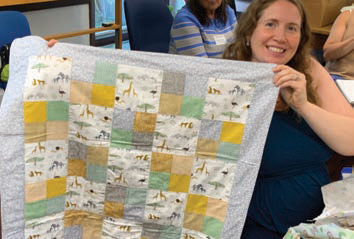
pixel 104 11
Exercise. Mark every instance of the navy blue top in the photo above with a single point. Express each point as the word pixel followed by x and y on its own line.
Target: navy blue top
pixel 293 169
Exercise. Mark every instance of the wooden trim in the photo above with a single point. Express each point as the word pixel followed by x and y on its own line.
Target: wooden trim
pixel 118 21
pixel 81 32
pixel 33 5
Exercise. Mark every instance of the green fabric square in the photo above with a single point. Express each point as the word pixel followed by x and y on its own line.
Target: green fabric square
pixel 171 232
pixel 159 181
pixel 192 107
pixel 106 73
pixel 55 205
pixel 96 173
pixel 212 227
pixel 35 210
pixel 121 139
pixel 57 111
pixel 135 196
pixel 229 152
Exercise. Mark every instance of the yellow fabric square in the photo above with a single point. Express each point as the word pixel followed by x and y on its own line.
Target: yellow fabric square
pixel 36 192
pixel 112 209
pixel 76 167
pixel 144 122
pixel 232 132
pixel 103 95
pixel 74 217
pixel 92 226
pixel 179 183
pixel 57 130
pixel 197 204
pixel 80 92
pixel 170 104
pixel 193 221
pixel 35 112
pixel 161 162
pixel 97 155
pixel 207 149
pixel 216 209
pixel 56 187
pixel 182 165
pixel 35 132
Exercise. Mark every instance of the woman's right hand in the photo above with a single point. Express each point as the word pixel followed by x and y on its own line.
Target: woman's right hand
pixel 52 42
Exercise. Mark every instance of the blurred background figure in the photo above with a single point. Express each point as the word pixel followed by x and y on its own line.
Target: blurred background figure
pixel 338 49
pixel 203 28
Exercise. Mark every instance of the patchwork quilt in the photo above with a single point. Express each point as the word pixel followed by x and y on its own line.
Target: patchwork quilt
pixel 100 143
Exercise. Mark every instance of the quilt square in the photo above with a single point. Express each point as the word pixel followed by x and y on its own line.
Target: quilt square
pixel 81 92
pixel 35 112
pixel 144 122
pixel 35 132
pixel 173 83
pixel 105 73
pixel 170 104
pixel 103 95
pixel 123 119
pixel 57 111
pixel 161 162
pixel 192 107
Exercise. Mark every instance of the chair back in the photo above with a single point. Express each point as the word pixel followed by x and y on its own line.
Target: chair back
pixel 13 25
pixel 149 24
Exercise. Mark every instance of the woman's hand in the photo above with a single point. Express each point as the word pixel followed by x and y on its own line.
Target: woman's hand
pixel 52 42
pixel 292 86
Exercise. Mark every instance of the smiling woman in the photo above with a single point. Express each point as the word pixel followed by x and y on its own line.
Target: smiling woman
pixel 311 119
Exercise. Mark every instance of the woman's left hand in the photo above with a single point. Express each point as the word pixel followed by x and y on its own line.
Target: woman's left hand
pixel 292 86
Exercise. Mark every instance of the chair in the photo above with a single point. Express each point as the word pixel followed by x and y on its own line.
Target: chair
pixel 149 24
pixel 13 25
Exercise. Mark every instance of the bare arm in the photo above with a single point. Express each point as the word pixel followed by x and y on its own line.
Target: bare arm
pixel 335 47
pixel 333 121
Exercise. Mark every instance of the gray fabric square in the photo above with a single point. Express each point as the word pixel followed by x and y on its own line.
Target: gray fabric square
pixel 134 213
pixel 72 232
pixel 196 87
pixel 210 129
pixel 115 193
pixel 173 83
pixel 142 141
pixel 151 230
pixel 77 150
pixel 123 119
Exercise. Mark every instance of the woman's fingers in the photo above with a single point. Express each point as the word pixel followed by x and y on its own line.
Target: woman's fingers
pixel 52 42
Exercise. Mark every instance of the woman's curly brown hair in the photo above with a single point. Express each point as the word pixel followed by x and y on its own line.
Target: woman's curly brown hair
pixel 238 50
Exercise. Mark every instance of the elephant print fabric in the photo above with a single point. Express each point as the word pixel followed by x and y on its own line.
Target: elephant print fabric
pixel 138 151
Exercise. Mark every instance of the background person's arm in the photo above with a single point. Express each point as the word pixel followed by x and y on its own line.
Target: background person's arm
pixel 335 47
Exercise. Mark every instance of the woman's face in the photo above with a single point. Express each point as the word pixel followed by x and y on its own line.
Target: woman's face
pixel 210 5
pixel 277 34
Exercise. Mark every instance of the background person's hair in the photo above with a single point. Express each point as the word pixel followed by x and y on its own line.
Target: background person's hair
pixel 200 13
pixel 238 50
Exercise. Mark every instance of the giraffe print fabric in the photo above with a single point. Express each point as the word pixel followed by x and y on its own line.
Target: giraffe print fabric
pixel 135 148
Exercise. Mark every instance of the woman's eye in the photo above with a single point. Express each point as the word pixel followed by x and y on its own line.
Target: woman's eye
pixel 292 28
pixel 269 24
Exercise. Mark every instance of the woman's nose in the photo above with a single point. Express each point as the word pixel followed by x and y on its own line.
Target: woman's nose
pixel 279 35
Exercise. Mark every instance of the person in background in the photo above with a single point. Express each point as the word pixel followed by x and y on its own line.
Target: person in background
pixel 203 28
pixel 338 51
pixel 312 119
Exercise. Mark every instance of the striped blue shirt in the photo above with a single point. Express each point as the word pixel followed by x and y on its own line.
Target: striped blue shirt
pixel 189 37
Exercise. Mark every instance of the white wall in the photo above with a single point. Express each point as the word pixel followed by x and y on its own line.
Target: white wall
pixel 60 20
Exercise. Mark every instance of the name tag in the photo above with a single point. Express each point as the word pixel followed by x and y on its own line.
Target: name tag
pixel 220 39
